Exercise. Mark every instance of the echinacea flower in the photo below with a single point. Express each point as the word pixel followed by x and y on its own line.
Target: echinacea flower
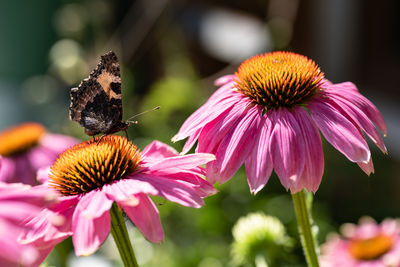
pixel 365 245
pixel 27 147
pixel 268 116
pixel 91 176
pixel 17 203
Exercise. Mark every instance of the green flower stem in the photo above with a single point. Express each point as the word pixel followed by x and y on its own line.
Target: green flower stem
pixel 304 220
pixel 121 237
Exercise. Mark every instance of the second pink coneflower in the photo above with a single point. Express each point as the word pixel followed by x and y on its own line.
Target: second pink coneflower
pixel 268 116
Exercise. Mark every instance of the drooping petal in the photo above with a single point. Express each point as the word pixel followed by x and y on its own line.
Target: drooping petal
pixel 236 146
pixel 178 163
pixel 349 91
pixel 259 163
pixel 42 175
pixel 57 142
pixel 94 204
pixel 339 131
pixel 89 232
pixel 287 147
pixel 159 150
pixel 123 189
pixel 146 217
pixel 48 228
pixel 313 153
pixel 221 100
pixel 224 79
pixel 12 252
pixel 201 186
pixel 173 190
pixel 190 141
pixel 216 130
pixel 368 167
pixel 360 119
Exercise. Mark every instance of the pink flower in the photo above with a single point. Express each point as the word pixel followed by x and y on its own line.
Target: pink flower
pixel 90 177
pixel 365 245
pixel 26 148
pixel 17 203
pixel 268 116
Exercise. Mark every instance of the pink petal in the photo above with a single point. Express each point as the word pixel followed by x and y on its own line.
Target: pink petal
pixel 236 146
pixel 89 232
pixel 339 131
pixel 17 210
pixel 287 147
pixel 12 252
pixel 124 189
pixel 314 156
pixel 259 163
pixel 17 170
pixel 41 157
pixel 368 167
pixel 173 190
pixel 145 216
pixel 201 186
pixel 216 130
pixel 48 228
pixel 190 141
pixel 181 162
pixel 42 175
pixel 224 79
pixel 349 91
pixel 220 101
pixel 57 142
pixel 93 204
pixel 159 150
pixel 359 118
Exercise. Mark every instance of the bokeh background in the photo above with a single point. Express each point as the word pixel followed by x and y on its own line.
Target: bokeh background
pixel 171 51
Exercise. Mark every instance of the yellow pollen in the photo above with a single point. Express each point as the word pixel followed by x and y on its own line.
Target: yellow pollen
pixel 20 138
pixel 371 248
pixel 90 165
pixel 279 79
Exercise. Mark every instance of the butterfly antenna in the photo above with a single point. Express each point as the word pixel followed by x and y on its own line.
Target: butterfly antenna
pixel 141 113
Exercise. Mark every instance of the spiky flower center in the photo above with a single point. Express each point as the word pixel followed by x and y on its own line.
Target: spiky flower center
pixel 18 139
pixel 371 248
pixel 90 165
pixel 279 79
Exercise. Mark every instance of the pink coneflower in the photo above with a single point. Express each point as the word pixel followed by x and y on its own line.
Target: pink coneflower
pixel 90 177
pixel 365 245
pixel 17 203
pixel 268 116
pixel 26 148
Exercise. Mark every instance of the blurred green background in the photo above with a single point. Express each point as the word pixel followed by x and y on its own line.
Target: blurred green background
pixel 170 52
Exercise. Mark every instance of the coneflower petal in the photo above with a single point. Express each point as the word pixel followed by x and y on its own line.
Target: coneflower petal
pixel 339 131
pixel 314 156
pixel 259 163
pixel 145 216
pixel 236 146
pixel 287 147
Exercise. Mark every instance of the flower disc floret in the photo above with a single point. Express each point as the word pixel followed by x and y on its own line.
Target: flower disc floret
pixel 370 248
pixel 92 164
pixel 18 139
pixel 279 79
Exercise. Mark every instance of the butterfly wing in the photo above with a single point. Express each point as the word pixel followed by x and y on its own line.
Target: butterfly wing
pixel 96 103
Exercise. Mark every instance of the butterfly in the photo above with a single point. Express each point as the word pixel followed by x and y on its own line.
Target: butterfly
pixel 96 103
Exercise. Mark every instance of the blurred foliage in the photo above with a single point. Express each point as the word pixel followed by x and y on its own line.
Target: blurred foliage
pixel 49 46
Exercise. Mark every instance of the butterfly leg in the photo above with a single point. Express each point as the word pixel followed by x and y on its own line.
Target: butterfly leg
pixel 101 137
pixel 126 134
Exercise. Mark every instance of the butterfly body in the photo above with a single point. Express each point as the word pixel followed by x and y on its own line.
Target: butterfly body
pixel 96 103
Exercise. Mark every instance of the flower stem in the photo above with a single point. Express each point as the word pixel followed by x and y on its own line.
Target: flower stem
pixel 121 237
pixel 304 220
